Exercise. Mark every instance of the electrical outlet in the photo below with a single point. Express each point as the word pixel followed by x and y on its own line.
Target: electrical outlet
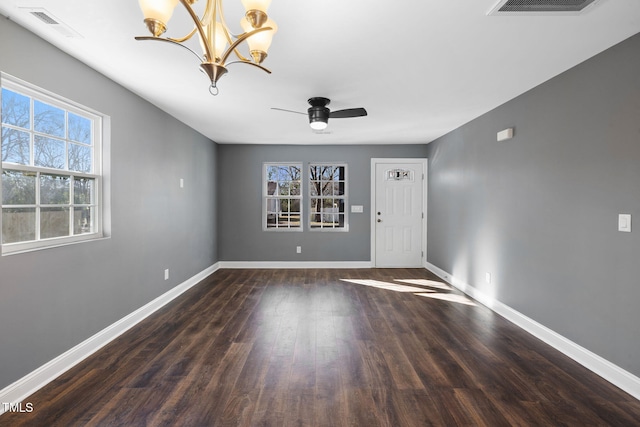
pixel 487 277
pixel 298 249
pixel 166 274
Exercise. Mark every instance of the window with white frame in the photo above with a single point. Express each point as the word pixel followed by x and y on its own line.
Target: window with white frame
pixel 51 169
pixel 328 196
pixel 282 196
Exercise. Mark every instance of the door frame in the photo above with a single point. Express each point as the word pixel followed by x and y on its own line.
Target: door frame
pixel 416 160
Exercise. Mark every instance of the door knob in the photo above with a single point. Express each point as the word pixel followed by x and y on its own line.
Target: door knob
pixel 378 213
pixel 379 220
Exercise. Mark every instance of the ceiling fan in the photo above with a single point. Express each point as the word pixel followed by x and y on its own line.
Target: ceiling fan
pixel 319 114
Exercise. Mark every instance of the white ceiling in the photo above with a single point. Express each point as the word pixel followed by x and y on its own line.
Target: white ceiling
pixel 421 68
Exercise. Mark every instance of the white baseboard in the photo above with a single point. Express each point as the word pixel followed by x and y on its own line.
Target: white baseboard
pixel 29 384
pixel 295 264
pixel 607 370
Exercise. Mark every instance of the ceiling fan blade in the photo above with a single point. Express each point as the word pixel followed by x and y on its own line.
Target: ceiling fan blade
pixel 349 112
pixel 288 111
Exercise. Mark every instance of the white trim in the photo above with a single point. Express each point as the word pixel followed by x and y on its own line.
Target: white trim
pixel 295 264
pixel 416 160
pixel 37 379
pixel 602 367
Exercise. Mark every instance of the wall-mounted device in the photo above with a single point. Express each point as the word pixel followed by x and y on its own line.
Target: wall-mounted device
pixel 503 135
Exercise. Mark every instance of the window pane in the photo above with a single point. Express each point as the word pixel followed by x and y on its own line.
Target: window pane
pixel 283 206
pixel 272 188
pixel 327 191
pixel 80 129
pixel 283 188
pixel 54 222
pixel 49 152
pixel 48 119
pixel 16 109
pixel 18 224
pixel 327 173
pixel 283 213
pixel 15 146
pixel 293 173
pixel 295 188
pixel 83 190
pixel 327 188
pixel 83 220
pixel 18 188
pixel 272 173
pixel 295 205
pixel 80 158
pixel 54 189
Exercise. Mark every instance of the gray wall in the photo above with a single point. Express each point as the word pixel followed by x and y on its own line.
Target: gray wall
pixel 240 211
pixel 53 299
pixel 540 211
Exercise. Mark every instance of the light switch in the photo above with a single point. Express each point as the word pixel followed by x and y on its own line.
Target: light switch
pixel 357 208
pixel 624 223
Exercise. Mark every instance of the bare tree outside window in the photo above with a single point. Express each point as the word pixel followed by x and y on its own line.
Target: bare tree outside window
pixel 327 190
pixel 36 138
pixel 283 196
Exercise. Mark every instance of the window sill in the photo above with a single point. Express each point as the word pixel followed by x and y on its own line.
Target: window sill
pixel 10 249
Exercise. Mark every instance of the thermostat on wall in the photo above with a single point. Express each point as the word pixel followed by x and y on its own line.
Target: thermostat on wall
pixel 505 134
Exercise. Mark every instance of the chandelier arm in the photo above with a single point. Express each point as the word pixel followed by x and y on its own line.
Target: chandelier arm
pixel 251 63
pixel 168 40
pixel 208 13
pixel 210 55
pixel 185 38
pixel 242 57
pixel 229 35
pixel 242 38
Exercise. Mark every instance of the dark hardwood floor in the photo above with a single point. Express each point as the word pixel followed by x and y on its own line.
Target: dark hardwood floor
pixel 345 347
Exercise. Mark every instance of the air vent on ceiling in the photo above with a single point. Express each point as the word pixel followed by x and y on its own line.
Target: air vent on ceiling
pixel 52 22
pixel 542 7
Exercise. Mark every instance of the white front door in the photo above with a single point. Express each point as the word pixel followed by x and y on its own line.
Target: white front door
pixel 398 215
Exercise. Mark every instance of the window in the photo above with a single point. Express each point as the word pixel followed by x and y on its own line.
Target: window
pixel 328 196
pixel 51 169
pixel 282 190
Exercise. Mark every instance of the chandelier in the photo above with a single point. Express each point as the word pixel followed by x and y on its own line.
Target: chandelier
pixel 216 41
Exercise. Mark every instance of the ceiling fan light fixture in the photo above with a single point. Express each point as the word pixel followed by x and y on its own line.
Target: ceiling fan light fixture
pixel 318 115
pixel 318 125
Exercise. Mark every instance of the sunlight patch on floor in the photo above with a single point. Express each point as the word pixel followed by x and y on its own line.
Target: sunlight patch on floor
pixel 425 282
pixel 385 285
pixel 423 292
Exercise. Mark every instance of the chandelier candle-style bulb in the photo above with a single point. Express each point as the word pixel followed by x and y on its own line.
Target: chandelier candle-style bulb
pixel 157 14
pixel 214 32
pixel 256 12
pixel 259 43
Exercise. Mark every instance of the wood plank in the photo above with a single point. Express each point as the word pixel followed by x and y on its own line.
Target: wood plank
pixel 305 347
